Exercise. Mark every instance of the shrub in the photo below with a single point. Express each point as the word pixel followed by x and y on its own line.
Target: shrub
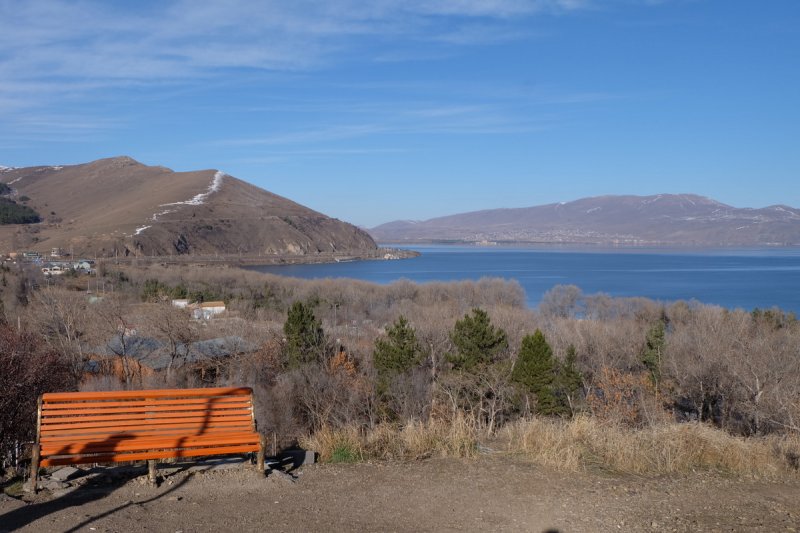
pixel 344 454
pixel 27 369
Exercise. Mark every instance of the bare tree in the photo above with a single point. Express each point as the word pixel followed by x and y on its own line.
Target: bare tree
pixel 62 317
pixel 114 329
pixel 175 327
pixel 563 301
pixel 27 370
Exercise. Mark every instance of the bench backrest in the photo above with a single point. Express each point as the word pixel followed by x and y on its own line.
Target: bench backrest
pixel 83 427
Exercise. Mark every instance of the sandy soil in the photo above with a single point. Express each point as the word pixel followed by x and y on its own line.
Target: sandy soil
pixel 495 494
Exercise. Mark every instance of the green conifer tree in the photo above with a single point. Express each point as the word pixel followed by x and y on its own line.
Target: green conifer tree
pixel 478 342
pixel 535 372
pixel 304 336
pixel 397 353
pixel 569 380
pixel 654 350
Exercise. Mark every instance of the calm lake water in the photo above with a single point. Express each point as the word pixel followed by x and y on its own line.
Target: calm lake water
pixel 745 278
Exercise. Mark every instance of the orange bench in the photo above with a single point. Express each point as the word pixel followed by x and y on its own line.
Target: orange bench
pixel 105 427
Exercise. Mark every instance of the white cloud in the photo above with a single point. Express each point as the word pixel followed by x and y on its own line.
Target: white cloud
pixel 72 41
pixel 55 52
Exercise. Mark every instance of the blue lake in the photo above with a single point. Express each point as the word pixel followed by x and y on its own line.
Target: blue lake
pixel 745 278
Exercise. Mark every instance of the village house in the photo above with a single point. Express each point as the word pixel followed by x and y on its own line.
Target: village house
pixel 83 265
pixel 207 310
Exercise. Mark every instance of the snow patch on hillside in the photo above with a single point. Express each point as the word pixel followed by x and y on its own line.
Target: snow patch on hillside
pixel 652 200
pixel 791 213
pixel 198 199
pixel 9 169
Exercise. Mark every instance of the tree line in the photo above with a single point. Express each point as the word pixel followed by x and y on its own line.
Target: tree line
pixel 333 353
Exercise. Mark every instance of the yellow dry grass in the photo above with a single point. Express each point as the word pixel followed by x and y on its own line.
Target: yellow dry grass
pixel 666 448
pixel 414 440
pixel 577 444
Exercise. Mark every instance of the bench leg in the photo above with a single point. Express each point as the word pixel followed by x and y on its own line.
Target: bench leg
pixel 151 471
pixel 35 454
pixel 262 446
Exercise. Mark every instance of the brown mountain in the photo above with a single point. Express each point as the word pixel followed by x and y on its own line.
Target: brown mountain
pixel 664 219
pixel 119 205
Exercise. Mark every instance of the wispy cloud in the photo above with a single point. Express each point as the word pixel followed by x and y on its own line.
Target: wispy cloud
pixel 459 120
pixel 309 136
pixel 90 40
pixel 55 53
pixel 271 156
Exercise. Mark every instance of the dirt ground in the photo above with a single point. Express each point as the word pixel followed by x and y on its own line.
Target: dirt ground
pixel 488 494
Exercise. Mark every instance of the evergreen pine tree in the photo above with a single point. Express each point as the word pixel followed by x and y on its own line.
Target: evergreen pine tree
pixel 304 336
pixel 478 342
pixel 654 349
pixel 535 372
pixel 569 380
pixel 397 353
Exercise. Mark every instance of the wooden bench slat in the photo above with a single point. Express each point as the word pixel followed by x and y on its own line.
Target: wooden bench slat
pixel 136 444
pixel 192 430
pixel 105 433
pixel 198 422
pixel 114 421
pixel 145 411
pixel 200 403
pixel 170 415
pixel 84 435
pixel 89 398
pixel 144 394
pixel 67 448
pixel 157 454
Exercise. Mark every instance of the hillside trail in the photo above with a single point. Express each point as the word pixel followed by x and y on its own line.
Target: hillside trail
pixel 488 494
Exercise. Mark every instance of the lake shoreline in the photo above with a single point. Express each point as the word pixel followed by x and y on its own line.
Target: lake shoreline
pixel 730 277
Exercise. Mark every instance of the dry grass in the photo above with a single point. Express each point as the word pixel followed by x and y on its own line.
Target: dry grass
pixel 576 444
pixel 667 448
pixel 414 440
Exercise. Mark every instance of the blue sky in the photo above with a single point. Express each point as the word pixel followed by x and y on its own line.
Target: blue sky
pixel 409 109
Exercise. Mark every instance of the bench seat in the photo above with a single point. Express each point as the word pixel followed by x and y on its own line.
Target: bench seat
pixel 104 427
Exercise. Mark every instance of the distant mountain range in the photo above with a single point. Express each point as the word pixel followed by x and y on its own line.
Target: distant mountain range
pixel 659 220
pixel 120 206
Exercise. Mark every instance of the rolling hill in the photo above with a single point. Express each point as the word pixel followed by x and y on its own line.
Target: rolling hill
pixel 120 206
pixel 662 220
